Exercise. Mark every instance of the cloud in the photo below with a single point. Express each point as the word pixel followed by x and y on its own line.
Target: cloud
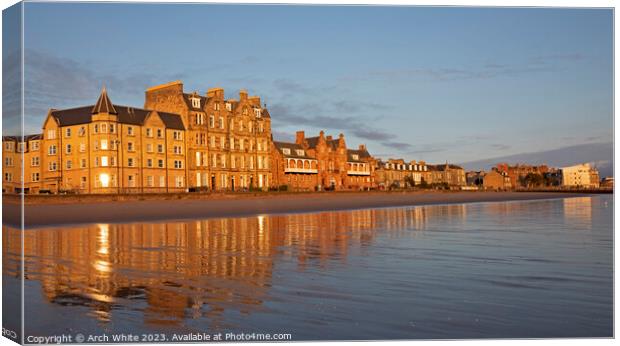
pixel 500 146
pixel 536 64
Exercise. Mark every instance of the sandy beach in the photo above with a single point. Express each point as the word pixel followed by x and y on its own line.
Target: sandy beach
pixel 54 214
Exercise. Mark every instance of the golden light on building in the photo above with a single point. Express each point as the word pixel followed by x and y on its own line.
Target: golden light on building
pixel 104 178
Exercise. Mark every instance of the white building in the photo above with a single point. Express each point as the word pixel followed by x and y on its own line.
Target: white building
pixel 581 175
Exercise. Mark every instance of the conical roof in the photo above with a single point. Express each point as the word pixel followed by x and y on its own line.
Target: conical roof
pixel 104 105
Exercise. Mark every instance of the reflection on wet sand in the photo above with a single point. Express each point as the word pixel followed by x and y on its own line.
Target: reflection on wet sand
pixel 169 272
pixel 194 269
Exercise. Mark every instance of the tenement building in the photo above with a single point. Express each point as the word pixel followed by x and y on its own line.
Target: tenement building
pixel 322 162
pixel 108 148
pixel 229 141
pixel 449 174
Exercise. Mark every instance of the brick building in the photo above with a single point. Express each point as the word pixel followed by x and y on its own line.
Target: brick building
pixel 518 172
pixel 452 175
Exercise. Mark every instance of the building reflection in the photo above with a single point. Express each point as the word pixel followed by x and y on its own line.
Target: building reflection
pixel 578 211
pixel 170 272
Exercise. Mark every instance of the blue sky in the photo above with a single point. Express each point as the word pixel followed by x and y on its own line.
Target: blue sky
pixel 456 84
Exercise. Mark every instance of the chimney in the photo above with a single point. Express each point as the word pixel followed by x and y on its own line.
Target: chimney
pixel 243 95
pixel 329 138
pixel 255 100
pixel 216 92
pixel 362 147
pixel 300 136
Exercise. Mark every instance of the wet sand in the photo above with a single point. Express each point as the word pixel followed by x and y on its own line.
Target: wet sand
pixel 49 214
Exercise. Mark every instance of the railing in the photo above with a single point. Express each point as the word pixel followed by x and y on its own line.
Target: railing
pixel 300 170
pixel 358 172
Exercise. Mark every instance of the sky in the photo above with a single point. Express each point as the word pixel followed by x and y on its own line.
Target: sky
pixel 422 83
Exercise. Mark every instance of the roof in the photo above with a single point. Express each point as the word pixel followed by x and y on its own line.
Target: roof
pixel 26 138
pixel 292 147
pixel 362 154
pixel 126 115
pixel 103 105
pixel 443 167
pixel 313 141
pixel 203 101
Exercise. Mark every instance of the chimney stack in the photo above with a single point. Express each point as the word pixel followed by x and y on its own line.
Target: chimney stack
pixel 329 138
pixel 243 95
pixel 300 136
pixel 362 147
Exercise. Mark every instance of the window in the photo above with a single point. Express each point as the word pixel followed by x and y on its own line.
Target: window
pixel 299 152
pixel 51 134
pixel 131 181
pixel 112 129
pixel 241 141
pixel 200 119
pixel 112 161
pixel 212 141
pixel 178 150
pixel 8 176
pixel 257 112
pixel 221 123
pixel 286 151
pixel 222 142
pixel 214 160
pixel 178 181
pixel 130 130
pixel 104 144
pixel 178 164
pixel 245 111
pixel 51 150
pixel 83 182
pixel 223 161
pixel 8 161
pixel 160 163
pixel 34 161
pixel 21 147
pixel 8 146
pixel 52 166
pixel 68 132
pixel 160 133
pixel 82 131
pixel 232 161
pixel 228 106
pixel 104 161
pixel 261 128
pixel 211 121
pixel 355 157
pixel 162 181
pixel 104 128
pixel 35 177
pixel 196 102
pixel 68 149
pixel 149 132
pixel 149 148
pixel 83 163
pixel 177 135
pixel 130 146
pixel 130 162
pixel 35 145
pixel 69 164
pixel 149 163
pixel 160 148
pixel 149 180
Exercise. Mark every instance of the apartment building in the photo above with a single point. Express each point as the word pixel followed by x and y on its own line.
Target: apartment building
pixel 229 141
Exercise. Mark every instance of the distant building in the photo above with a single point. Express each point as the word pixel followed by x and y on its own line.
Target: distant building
pixel 450 174
pixel 496 180
pixel 608 182
pixel 475 178
pixel 518 172
pixel 582 175
pixel 398 172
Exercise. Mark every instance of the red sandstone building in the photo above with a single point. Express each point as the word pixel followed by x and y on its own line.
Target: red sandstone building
pixel 322 162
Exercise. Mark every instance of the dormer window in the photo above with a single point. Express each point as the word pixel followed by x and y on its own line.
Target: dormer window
pixel 229 106
pixel 216 106
pixel 196 102
pixel 286 151
pixel 355 157
pixel 299 152
pixel 257 112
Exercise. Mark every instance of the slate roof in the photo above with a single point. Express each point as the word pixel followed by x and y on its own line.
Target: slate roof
pixel 26 138
pixel 293 147
pixel 188 101
pixel 362 154
pixel 125 114
pixel 103 105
